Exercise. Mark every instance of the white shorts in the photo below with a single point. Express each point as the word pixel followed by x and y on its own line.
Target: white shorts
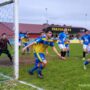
pixel 19 43
pixel 88 49
pixel 85 47
pixel 62 46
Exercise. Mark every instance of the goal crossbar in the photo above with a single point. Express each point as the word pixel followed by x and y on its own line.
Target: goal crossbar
pixel 6 3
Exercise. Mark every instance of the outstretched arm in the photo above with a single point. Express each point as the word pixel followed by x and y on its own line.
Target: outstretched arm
pixel 47 53
pixel 38 40
pixel 55 50
pixel 9 43
pixel 23 50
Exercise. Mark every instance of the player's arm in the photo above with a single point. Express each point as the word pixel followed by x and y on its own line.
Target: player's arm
pixel 31 44
pixel 55 50
pixel 47 53
pixel 68 41
pixel 80 40
pixel 9 43
pixel 23 50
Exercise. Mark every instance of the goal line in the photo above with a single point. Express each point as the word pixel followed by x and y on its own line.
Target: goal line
pixel 19 81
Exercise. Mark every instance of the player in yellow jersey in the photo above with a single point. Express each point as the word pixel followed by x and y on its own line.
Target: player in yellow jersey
pixel 25 41
pixel 39 47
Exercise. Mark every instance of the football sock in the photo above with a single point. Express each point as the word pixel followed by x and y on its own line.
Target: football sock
pixel 84 54
pixel 40 69
pixel 68 53
pixel 86 62
pixel 64 53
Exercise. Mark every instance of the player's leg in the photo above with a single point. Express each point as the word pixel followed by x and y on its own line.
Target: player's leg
pixel 42 64
pixel 36 65
pixel 27 48
pixel 64 50
pixel 39 70
pixel 68 51
pixel 84 51
pixel 19 44
pixel 86 63
pixel 61 47
pixel 88 49
pixel 9 55
pixel 0 52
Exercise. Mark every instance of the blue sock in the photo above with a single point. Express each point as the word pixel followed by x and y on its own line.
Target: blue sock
pixel 86 62
pixel 41 66
pixel 34 68
pixel 40 69
pixel 68 53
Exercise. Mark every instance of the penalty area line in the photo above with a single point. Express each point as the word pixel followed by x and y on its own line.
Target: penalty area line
pixel 22 82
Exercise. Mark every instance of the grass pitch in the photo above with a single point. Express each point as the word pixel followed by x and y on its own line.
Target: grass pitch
pixel 58 74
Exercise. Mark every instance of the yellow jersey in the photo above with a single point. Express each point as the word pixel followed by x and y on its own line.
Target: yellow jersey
pixel 41 44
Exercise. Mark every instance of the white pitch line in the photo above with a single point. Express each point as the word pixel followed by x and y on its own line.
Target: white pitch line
pixel 28 84
pixel 5 76
pixel 22 82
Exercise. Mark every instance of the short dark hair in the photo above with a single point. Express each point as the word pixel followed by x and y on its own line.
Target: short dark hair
pixel 47 30
pixel 86 31
pixel 4 34
pixel 42 32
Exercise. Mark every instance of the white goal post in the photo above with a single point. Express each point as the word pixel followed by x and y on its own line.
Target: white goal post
pixel 16 33
pixel 16 61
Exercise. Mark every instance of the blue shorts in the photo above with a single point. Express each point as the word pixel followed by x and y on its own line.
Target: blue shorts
pixel 67 45
pixel 25 44
pixel 40 57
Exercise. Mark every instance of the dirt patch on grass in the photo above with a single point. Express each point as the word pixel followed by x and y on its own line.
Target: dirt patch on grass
pixel 5 62
pixel 26 60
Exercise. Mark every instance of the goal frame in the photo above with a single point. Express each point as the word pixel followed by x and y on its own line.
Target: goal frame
pixel 16 34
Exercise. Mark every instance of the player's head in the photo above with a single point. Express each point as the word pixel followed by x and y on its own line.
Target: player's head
pixel 86 31
pixel 48 33
pixel 42 33
pixel 4 35
pixel 65 30
pixel 26 35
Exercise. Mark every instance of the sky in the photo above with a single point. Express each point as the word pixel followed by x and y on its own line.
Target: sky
pixel 69 12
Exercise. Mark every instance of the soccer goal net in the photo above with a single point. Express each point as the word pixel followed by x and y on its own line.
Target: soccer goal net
pixel 9 29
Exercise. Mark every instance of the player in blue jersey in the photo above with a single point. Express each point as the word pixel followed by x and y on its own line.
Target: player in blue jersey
pixel 88 60
pixel 39 47
pixel 85 39
pixel 61 42
pixel 86 63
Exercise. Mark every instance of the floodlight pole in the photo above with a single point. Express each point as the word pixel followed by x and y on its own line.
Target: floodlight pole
pixel 16 56
pixel 86 19
pixel 46 10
